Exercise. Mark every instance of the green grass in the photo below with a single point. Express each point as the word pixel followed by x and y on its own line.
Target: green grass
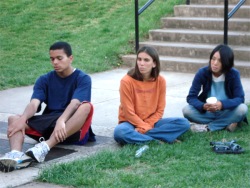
pixel 188 164
pixel 100 32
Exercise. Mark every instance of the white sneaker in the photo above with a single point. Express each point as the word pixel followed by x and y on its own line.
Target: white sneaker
pixel 198 127
pixel 38 152
pixel 14 160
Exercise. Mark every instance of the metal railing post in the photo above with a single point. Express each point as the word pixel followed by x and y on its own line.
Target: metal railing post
pixel 226 22
pixel 137 13
pixel 136 27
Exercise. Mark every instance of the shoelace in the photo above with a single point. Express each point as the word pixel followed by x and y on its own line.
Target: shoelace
pixel 41 139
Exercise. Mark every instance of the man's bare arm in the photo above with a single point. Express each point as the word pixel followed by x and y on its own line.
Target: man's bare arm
pixel 60 128
pixel 20 123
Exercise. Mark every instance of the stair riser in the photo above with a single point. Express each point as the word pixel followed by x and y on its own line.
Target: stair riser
pixel 174 66
pixel 217 2
pixel 216 12
pixel 205 24
pixel 192 52
pixel 198 38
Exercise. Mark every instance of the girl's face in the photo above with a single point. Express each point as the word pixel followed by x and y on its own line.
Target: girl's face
pixel 145 64
pixel 216 65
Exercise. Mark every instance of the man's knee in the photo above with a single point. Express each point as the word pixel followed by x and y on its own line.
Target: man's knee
pixel 85 108
pixel 12 118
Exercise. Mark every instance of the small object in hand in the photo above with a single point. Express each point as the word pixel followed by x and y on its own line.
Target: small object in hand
pixel 211 100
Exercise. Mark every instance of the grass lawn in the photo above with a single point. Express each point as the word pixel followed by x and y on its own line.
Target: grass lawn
pixel 188 164
pixel 100 32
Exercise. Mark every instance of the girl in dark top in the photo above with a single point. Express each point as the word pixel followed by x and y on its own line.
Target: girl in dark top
pixel 222 82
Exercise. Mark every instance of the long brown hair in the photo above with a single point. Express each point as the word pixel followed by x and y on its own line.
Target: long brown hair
pixel 135 73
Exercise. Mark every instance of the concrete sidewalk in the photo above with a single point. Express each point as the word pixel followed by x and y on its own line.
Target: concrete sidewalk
pixel 105 98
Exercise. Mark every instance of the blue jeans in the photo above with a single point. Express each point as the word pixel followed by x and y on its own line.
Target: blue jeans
pixel 216 120
pixel 167 130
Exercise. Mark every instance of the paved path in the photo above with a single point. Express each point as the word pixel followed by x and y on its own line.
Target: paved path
pixel 105 98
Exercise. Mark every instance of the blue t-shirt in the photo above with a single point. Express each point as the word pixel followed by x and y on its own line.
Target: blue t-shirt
pixel 57 92
pixel 218 88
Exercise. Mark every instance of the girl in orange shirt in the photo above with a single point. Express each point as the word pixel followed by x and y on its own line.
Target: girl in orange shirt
pixel 143 100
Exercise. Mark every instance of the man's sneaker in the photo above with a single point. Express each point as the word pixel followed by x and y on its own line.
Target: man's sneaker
pixel 38 152
pixel 14 160
pixel 7 165
pixel 24 162
pixel 198 127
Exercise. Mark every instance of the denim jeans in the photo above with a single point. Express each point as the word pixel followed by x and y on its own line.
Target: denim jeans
pixel 166 129
pixel 216 120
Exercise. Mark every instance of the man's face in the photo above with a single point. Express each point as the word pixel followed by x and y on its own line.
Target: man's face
pixel 60 61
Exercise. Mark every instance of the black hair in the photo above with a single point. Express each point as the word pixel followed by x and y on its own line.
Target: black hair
pixel 62 45
pixel 226 56
pixel 135 73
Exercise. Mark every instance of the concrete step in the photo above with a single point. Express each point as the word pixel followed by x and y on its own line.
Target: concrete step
pixel 234 24
pixel 216 2
pixel 185 41
pixel 187 65
pixel 193 50
pixel 206 11
pixel 199 36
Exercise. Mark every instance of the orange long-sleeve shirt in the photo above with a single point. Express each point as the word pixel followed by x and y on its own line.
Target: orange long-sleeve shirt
pixel 142 103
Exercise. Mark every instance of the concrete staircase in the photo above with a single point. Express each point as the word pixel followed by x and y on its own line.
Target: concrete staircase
pixel 185 41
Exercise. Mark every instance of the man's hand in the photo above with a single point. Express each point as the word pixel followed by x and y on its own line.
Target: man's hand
pixel 17 125
pixel 60 131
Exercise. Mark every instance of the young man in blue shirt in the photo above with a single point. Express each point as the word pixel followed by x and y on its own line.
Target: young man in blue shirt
pixel 66 91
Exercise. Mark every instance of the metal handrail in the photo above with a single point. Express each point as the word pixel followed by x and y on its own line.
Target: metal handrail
pixel 137 13
pixel 227 16
pixel 239 4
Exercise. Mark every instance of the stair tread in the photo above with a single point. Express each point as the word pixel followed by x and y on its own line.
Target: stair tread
pixel 192 45
pixel 206 19
pixel 198 60
pixel 212 6
pixel 197 31
pixel 190 60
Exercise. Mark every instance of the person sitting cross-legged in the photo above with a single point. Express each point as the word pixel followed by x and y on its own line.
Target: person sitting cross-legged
pixel 143 100
pixel 216 96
